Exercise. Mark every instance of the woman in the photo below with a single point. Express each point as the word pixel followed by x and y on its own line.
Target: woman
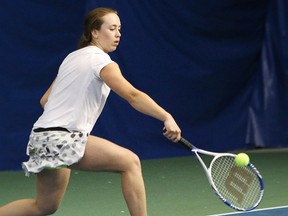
pixel 61 140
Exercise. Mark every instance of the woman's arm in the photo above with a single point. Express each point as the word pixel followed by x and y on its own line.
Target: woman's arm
pixel 44 98
pixel 112 76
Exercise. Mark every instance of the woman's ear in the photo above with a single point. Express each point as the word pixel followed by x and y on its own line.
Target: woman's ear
pixel 94 33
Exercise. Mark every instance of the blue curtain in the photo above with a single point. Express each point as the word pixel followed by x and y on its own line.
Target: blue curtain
pixel 35 37
pixel 267 125
pixel 220 68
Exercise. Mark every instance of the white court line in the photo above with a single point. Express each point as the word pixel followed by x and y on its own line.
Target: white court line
pixel 256 210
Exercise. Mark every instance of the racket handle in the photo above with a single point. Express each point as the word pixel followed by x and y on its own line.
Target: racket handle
pixel 186 143
pixel 183 141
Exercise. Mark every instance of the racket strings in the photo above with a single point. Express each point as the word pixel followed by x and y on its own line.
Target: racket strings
pixel 238 186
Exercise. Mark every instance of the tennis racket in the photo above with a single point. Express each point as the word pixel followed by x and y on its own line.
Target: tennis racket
pixel 241 188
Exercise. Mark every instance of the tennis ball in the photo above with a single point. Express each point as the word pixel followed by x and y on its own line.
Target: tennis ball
pixel 242 159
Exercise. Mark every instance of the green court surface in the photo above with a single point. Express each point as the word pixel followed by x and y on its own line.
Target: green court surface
pixel 175 187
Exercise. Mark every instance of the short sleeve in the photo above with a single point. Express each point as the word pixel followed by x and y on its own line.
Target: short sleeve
pixel 99 61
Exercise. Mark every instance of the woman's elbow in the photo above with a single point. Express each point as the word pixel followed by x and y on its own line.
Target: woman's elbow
pixel 133 97
pixel 43 101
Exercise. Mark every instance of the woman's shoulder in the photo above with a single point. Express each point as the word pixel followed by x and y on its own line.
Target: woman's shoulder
pixel 89 50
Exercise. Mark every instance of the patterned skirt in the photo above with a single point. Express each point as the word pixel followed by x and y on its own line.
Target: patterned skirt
pixel 53 150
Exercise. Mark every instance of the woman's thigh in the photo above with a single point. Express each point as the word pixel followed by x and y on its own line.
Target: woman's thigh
pixel 51 187
pixel 103 155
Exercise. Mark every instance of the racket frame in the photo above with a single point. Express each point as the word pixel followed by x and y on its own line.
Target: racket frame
pixel 207 170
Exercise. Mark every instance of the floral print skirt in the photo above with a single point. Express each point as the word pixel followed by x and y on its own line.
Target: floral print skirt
pixel 53 150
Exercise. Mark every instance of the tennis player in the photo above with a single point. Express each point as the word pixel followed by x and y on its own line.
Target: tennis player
pixel 60 139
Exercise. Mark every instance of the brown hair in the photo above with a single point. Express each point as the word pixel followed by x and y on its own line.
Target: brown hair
pixel 93 20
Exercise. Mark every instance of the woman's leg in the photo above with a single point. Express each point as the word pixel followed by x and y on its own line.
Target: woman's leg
pixel 103 155
pixel 51 186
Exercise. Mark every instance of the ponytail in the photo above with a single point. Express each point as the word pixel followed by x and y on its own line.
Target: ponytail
pixel 84 41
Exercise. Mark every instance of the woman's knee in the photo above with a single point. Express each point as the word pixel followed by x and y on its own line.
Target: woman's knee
pixel 48 208
pixel 134 162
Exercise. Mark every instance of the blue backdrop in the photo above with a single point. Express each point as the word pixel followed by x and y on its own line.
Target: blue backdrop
pixel 220 68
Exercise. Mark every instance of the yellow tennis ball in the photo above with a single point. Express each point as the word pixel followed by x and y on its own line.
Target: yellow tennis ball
pixel 242 159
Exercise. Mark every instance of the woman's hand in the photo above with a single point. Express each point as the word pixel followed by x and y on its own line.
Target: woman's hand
pixel 171 130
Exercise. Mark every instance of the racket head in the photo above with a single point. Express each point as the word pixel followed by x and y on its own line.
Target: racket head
pixel 241 188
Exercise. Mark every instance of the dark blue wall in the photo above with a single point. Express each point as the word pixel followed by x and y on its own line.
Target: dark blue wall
pixel 219 67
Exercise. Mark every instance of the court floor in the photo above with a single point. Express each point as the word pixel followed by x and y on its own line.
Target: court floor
pixel 279 211
pixel 175 186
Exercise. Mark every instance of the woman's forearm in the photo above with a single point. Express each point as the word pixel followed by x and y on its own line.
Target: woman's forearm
pixel 146 105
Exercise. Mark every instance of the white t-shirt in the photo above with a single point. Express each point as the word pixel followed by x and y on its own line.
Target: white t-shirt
pixel 78 94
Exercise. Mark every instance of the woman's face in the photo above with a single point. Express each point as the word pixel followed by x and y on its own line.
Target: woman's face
pixel 108 37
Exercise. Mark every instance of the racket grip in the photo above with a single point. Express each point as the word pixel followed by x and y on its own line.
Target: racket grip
pixel 186 143
pixel 183 141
